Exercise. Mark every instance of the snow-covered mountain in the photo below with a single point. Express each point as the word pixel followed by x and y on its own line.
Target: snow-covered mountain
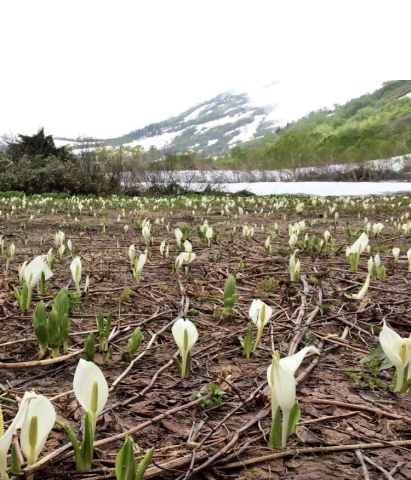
pixel 212 127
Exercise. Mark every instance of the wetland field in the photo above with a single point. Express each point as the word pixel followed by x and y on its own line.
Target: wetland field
pixel 327 274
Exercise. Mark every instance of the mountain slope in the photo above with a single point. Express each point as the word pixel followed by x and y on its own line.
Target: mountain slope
pixel 373 126
pixel 212 127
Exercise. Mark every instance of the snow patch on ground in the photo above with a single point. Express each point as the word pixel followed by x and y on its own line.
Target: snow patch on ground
pixel 61 143
pixel 221 121
pixel 323 189
pixel 247 132
pixel 196 113
pixel 158 141
pixel 212 142
pixel 406 95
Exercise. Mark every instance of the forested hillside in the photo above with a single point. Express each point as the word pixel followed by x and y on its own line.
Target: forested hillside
pixel 373 126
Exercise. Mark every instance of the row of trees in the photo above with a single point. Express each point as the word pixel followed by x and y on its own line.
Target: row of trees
pixel 33 164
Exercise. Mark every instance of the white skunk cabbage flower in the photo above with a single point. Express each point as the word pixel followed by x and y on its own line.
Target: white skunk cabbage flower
pixel 370 265
pixel 131 253
pixel 87 284
pixel 90 388
pixel 59 238
pixel 377 261
pixel 260 314
pixel 280 376
pixel 70 245
pixel 60 251
pixel 267 245
pixel 210 233
pixel 293 240
pixel 138 267
pixel 327 235
pixel 21 269
pixel 7 436
pixel 356 250
pixel 32 274
pixel 359 246
pixel 409 259
pixel 75 268
pixel 377 228
pixel 361 294
pixel 184 257
pixel 146 234
pixel 398 350
pixel 49 257
pixel 185 335
pixel 294 267
pixel 396 253
pixel 190 256
pixel 179 235
pixel 38 422
pixel 11 251
pixel 162 248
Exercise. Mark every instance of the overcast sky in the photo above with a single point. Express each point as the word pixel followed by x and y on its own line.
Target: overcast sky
pixel 103 68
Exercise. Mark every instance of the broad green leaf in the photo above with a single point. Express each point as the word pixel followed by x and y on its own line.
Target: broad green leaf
pixel 229 288
pixel 125 462
pixel 276 430
pixel 142 467
pixel 294 417
pixel 134 342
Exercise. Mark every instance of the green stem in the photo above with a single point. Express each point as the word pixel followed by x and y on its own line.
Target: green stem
pixel 400 378
pixel 55 352
pixel 29 295
pixel 74 442
pixel 286 418
pixel 260 332
pixel 183 364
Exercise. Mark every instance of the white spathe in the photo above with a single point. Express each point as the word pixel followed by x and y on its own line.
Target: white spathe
pixel 398 351
pixel 46 417
pixel 7 437
pixel 86 374
pixel 360 245
pixel 178 333
pixel 75 268
pixel 260 313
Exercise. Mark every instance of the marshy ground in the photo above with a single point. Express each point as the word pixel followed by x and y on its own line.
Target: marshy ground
pixel 351 425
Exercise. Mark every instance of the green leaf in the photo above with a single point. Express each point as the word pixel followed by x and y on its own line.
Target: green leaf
pixel 40 326
pixel 142 467
pixel 61 303
pixel 380 355
pixel 248 341
pixel 87 445
pixel 178 365
pixel 276 430
pixel 108 322
pixel 15 466
pixel 76 446
pixel 54 332
pixel 24 297
pixel 405 386
pixel 125 462
pixel 100 321
pixel 295 414
pixel 229 288
pixel 90 348
pixel 134 342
